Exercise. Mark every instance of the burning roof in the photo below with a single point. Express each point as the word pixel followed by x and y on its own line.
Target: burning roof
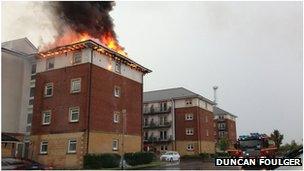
pixel 97 47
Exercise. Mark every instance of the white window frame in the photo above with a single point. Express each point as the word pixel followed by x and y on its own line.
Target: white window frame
pixel 190 147
pixel 46 87
pixel 47 145
pixel 43 117
pixel 77 54
pixel 189 131
pixel 118 67
pixel 48 62
pixel 189 116
pixel 73 81
pixel 116 143
pixel 117 91
pixel 74 141
pixel 71 113
pixel 116 117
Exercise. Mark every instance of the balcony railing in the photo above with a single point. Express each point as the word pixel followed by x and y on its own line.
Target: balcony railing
pixel 222 128
pixel 156 110
pixel 154 139
pixel 153 125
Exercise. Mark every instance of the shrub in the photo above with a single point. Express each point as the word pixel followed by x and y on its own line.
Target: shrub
pixel 97 161
pixel 224 154
pixel 190 157
pixel 204 156
pixel 138 158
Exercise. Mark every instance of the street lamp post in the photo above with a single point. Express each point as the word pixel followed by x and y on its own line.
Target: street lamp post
pixel 124 112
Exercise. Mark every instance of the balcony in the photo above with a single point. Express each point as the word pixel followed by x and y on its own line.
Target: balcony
pixel 153 125
pixel 154 139
pixel 222 128
pixel 156 110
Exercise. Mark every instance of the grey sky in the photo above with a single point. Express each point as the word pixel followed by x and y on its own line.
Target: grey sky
pixel 251 50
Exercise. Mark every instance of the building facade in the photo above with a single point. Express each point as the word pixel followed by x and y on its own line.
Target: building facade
pixel 18 87
pixel 178 119
pixel 225 126
pixel 88 101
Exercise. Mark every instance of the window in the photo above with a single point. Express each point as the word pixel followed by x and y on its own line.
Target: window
pixel 43 147
pixel 221 125
pixel 77 58
pixel 189 131
pixel 118 67
pixel 33 69
pixel 190 147
pixel 29 118
pixel 115 145
pixel 48 90
pixel 163 135
pixel 50 63
pixel 116 117
pixel 163 106
pixel 74 114
pixel 206 119
pixel 207 133
pixel 32 91
pixel 76 85
pixel 31 101
pixel 162 120
pixel 189 116
pixel 116 91
pixel 33 77
pixel 72 146
pixel 188 102
pixel 145 135
pixel 46 117
pixel 146 121
pixel 28 128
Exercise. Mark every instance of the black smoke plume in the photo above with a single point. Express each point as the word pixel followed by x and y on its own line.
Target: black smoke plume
pixel 91 17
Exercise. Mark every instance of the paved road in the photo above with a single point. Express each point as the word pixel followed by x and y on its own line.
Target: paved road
pixel 191 165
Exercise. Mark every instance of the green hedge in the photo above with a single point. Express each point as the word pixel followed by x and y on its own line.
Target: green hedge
pixel 138 158
pixel 97 161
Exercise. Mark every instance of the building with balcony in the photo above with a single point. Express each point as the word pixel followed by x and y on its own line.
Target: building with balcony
pixel 224 125
pixel 178 119
pixel 18 87
pixel 88 100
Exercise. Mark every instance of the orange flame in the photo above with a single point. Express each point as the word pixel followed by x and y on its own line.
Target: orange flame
pixel 69 38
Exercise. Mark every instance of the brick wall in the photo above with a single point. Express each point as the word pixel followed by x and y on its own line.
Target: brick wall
pixel 61 100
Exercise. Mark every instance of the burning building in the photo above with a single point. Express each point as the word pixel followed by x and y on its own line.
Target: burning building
pixel 88 100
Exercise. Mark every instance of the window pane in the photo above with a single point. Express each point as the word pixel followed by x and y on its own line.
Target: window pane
pixel 31 102
pixel 33 71
pixel 29 118
pixel 32 91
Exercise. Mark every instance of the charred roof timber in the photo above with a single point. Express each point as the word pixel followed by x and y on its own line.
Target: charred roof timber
pixel 95 46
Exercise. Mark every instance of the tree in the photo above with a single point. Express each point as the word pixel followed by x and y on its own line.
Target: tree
pixel 223 144
pixel 277 137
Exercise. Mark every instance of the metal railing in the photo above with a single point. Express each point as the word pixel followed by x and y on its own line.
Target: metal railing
pixel 154 139
pixel 156 110
pixel 153 125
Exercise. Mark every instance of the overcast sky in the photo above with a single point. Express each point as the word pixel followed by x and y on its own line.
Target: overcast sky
pixel 251 50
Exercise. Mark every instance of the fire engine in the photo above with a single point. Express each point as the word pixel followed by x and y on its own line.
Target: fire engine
pixel 253 145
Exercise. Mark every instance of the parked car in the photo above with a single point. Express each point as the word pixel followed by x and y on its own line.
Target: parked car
pixel 170 156
pixel 21 164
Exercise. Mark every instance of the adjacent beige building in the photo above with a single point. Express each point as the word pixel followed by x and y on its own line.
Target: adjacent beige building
pixel 18 85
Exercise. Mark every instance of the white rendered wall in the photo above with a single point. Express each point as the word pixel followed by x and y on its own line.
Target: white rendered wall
pixel 66 59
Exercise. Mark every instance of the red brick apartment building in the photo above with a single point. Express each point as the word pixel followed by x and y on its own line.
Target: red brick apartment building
pixel 86 96
pixel 224 125
pixel 178 119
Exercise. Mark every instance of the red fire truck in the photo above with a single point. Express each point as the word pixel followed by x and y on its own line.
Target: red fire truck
pixel 254 145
